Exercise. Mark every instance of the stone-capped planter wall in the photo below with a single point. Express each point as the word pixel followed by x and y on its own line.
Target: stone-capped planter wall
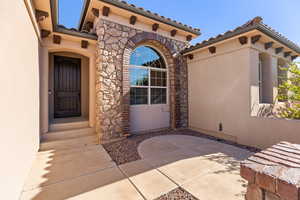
pixel 273 174
pixel 115 45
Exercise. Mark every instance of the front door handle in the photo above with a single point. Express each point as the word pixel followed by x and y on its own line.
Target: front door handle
pixel 49 92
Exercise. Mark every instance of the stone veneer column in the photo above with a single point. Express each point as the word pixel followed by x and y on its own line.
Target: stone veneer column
pixel 181 92
pixel 115 45
pixel 273 174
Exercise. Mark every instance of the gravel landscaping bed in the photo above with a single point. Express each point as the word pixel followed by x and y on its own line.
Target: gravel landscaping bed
pixel 125 151
pixel 177 194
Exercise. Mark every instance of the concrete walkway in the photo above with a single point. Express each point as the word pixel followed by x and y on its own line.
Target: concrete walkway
pixel 78 173
pixel 207 169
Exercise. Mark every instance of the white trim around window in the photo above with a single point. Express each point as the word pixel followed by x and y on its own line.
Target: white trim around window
pixel 149 84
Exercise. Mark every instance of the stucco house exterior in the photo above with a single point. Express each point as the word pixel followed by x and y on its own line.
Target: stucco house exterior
pixel 233 78
pixel 107 36
pixel 125 70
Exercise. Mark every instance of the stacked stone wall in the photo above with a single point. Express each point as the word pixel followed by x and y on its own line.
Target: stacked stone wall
pixel 114 47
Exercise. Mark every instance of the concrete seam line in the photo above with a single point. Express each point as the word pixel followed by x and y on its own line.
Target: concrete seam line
pixel 132 183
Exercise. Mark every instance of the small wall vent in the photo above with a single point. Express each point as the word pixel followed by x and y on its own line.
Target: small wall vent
pixel 220 127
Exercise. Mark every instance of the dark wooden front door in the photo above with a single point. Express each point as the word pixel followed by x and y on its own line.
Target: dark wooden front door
pixel 67 87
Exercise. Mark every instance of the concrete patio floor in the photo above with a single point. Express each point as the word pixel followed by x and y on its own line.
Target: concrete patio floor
pixel 205 168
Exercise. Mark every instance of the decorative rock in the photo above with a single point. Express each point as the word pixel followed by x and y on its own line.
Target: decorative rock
pixel 115 47
pixel 105 53
pixel 110 68
pixel 112 40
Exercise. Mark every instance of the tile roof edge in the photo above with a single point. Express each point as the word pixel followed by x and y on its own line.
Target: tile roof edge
pixel 75 32
pixel 217 39
pixel 143 12
pixel 278 37
pixel 240 30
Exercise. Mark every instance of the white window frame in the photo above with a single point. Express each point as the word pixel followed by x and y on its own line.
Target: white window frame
pixel 149 83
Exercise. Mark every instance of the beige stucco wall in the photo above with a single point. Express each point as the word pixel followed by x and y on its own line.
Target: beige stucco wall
pixel 19 102
pixel 84 83
pixel 223 88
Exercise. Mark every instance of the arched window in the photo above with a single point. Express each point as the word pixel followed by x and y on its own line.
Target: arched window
pixel 148 77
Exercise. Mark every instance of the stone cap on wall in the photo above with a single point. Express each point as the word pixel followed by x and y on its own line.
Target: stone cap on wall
pixel 275 170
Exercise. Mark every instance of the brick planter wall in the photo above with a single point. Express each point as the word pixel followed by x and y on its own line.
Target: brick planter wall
pixel 273 174
pixel 114 47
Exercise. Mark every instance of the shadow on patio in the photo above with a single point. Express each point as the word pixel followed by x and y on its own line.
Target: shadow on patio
pixel 159 164
pixel 63 173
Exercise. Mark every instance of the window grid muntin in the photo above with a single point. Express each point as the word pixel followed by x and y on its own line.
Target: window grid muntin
pixel 147 75
pixel 140 96
pixel 162 96
pixel 152 58
pixel 158 78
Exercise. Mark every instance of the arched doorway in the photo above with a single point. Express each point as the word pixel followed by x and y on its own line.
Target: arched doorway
pixel 149 102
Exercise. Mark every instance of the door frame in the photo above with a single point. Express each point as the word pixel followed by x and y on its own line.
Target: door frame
pixel 78 61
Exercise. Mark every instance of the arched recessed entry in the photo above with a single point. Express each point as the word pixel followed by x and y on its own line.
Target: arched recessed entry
pixel 88 95
pixel 148 77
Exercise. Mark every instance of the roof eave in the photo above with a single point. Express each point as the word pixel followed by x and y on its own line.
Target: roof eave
pixel 75 33
pixel 278 38
pixel 137 11
pixel 233 34
pixel 58 29
pixel 258 27
pixel 54 13
pixel 85 7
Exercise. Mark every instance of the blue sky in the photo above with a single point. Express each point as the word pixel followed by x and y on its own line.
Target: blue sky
pixel 211 16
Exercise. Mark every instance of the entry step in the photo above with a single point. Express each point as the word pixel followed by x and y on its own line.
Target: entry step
pixel 68 126
pixel 69 143
pixel 67 134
